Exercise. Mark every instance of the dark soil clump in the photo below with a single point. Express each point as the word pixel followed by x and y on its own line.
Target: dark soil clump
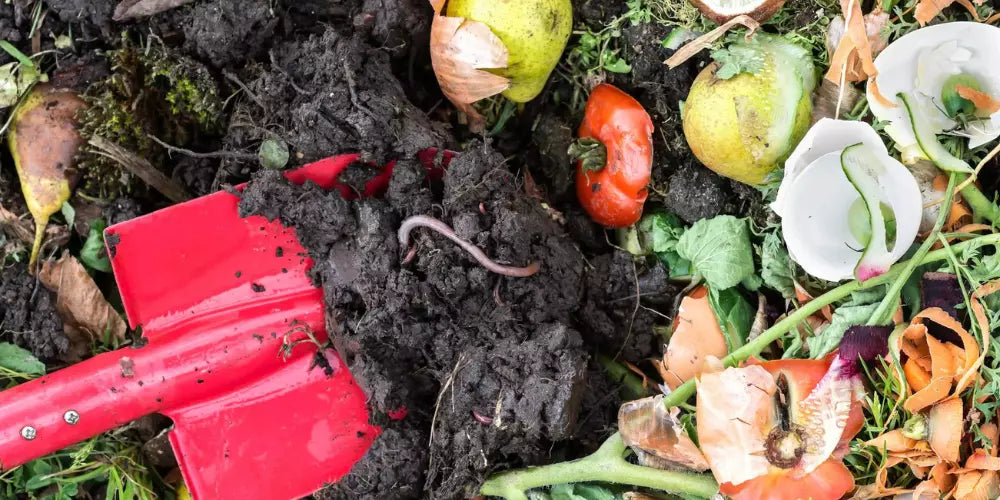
pixel 28 314
pixel 496 366
pixel 224 32
pixel 330 94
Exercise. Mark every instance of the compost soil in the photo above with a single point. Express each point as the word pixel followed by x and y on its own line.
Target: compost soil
pixel 491 372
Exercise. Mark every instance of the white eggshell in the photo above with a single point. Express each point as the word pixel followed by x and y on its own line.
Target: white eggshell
pixel 816 204
pixel 826 136
pixel 919 63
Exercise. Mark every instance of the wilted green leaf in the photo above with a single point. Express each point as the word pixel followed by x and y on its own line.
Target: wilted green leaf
pixel 69 213
pixel 63 42
pixel 19 360
pixel 855 311
pixel 776 266
pixel 737 59
pixel 94 254
pixel 719 249
pixel 616 64
pixel 735 315
pixel 273 153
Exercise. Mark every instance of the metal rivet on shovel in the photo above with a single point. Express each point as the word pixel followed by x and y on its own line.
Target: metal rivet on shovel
pixel 71 417
pixel 28 432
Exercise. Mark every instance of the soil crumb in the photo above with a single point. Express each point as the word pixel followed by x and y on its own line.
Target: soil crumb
pixel 28 314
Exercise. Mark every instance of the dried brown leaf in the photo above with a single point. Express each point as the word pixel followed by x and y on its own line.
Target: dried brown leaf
pixel 132 9
pixel 86 314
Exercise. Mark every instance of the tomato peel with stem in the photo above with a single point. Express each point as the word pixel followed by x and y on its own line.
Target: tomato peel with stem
pixel 749 466
pixel 613 193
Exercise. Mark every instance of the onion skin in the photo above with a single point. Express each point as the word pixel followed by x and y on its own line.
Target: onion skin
pixel 44 140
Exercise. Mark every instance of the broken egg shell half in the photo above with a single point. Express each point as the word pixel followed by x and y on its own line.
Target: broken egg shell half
pixel 919 63
pixel 815 198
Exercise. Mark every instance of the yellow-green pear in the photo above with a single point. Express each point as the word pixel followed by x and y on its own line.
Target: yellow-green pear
pixel 746 112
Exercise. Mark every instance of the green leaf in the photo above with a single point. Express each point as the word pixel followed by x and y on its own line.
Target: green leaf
pixel 660 232
pixel 677 266
pixel 580 492
pixel 737 59
pixel 16 54
pixel 69 213
pixel 776 266
pixel 273 153
pixel 719 249
pixel 735 315
pixel 19 360
pixel 94 254
pixel 616 64
pixel 855 311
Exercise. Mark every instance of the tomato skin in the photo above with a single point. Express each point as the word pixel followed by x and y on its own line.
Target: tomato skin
pixel 614 195
pixel 830 481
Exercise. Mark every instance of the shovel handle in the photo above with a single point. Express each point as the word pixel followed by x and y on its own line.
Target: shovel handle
pixel 70 405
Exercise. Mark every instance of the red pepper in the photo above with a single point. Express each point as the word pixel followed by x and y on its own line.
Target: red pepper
pixel 615 157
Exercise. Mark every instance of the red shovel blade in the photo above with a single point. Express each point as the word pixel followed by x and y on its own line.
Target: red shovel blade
pixel 232 324
pixel 290 428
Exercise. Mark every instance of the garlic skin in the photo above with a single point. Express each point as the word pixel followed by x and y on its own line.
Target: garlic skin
pixel 815 197
pixel 919 63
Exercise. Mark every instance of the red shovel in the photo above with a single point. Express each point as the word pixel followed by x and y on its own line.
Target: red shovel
pixel 228 315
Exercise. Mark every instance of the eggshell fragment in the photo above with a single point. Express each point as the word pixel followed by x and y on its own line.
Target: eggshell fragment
pixel 919 63
pixel 815 197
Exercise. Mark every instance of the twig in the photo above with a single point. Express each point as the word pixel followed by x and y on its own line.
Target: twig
pixel 437 404
pixel 349 76
pixel 141 168
pixel 239 83
pixel 635 310
pixel 291 81
pixel 214 154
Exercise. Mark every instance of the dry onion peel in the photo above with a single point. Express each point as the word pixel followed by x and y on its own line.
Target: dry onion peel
pixel 947 368
pixel 647 425
pixel 929 9
pixel 696 336
pixel 460 52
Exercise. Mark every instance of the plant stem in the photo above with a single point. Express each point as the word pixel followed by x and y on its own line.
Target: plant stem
pixel 607 464
pixel 631 383
pixel 982 206
pixel 758 344
pixel 883 313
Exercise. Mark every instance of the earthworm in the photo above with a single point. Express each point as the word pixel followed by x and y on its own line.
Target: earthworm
pixel 441 227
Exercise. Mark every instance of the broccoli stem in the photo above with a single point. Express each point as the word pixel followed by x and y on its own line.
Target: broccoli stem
pixel 607 464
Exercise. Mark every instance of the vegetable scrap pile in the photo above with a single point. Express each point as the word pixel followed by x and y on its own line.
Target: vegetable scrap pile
pixel 764 268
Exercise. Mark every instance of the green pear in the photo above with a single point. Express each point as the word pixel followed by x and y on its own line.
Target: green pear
pixel 744 125
pixel 534 31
